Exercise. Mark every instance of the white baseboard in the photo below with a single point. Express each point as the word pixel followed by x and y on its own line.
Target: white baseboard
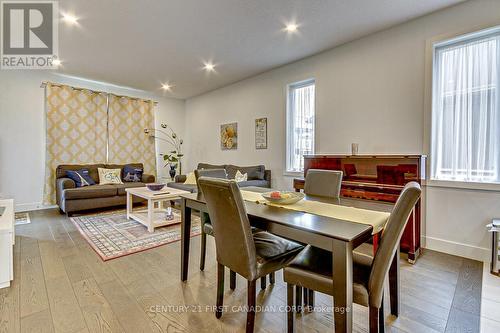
pixel 32 206
pixel 458 249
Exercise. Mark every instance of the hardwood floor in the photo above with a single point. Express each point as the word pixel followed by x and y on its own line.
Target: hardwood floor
pixel 61 285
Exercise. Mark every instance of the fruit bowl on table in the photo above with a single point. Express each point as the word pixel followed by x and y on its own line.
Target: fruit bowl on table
pixel 155 186
pixel 283 197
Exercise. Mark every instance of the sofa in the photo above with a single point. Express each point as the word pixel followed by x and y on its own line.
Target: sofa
pixel 71 199
pixel 257 176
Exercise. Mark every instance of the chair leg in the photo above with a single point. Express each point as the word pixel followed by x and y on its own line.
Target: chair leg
pixel 394 292
pixel 263 283
pixel 298 298
pixel 203 250
pixel 305 297
pixel 310 299
pixel 251 306
pixel 232 280
pixel 220 290
pixel 290 308
pixel 374 319
pixel 271 278
pixel 203 218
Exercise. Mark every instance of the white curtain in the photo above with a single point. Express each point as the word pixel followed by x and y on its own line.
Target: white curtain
pixel 466 129
pixel 300 136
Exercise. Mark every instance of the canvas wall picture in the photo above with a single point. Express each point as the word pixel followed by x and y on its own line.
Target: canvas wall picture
pixel 229 136
pixel 261 133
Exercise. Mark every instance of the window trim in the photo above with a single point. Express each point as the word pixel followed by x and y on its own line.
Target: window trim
pixel 289 86
pixel 430 100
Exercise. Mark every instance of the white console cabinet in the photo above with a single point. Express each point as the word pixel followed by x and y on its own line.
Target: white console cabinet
pixel 6 242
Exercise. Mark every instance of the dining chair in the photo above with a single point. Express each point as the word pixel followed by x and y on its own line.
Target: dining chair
pixel 312 268
pixel 207 228
pixel 251 255
pixel 324 183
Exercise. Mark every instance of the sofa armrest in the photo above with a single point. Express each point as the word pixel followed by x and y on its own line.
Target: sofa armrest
pixel 180 178
pixel 61 185
pixel 267 176
pixel 148 178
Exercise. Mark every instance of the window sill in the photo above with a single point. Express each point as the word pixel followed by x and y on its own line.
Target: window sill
pixel 495 187
pixel 293 174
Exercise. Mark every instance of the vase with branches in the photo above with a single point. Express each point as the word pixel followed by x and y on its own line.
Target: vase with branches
pixel 174 157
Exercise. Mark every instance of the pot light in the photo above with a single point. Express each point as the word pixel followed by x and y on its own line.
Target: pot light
pixel 166 86
pixel 291 27
pixel 209 67
pixel 68 18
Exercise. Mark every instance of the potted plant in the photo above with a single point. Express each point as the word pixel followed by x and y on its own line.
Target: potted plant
pixel 173 158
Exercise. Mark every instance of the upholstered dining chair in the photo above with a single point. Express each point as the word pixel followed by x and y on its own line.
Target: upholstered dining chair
pixel 207 228
pixel 323 183
pixel 252 255
pixel 312 268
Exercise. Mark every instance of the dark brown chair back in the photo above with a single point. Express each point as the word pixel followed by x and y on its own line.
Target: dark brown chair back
pixel 212 173
pixel 233 236
pixel 324 183
pixel 390 241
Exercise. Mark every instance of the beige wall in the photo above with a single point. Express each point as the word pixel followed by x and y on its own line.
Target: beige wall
pixel 370 91
pixel 22 130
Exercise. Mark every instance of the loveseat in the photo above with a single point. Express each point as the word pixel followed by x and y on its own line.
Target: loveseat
pixel 70 198
pixel 257 176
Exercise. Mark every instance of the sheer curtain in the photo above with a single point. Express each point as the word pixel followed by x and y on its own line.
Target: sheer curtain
pixel 466 129
pixel 128 117
pixel 75 133
pixel 300 124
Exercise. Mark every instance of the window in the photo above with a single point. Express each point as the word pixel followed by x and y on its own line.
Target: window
pixel 300 124
pixel 465 110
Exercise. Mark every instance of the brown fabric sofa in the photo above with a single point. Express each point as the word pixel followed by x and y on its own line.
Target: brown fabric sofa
pixel 70 199
pixel 257 176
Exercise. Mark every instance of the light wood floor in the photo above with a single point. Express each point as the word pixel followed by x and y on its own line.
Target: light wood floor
pixel 61 285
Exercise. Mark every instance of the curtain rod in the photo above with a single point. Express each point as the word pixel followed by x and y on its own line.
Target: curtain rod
pixel 44 84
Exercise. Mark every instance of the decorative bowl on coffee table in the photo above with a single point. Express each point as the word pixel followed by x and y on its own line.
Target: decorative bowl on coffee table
pixel 155 186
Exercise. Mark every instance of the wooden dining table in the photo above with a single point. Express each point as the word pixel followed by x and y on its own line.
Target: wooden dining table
pixel 331 234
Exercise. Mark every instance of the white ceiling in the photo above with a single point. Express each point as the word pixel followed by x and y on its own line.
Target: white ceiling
pixel 141 44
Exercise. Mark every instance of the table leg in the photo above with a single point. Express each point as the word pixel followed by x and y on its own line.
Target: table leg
pixel 129 205
pixel 342 286
pixel 151 206
pixel 185 238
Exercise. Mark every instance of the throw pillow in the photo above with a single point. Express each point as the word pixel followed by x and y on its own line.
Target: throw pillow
pixel 80 177
pixel 132 174
pixel 239 177
pixel 190 179
pixel 109 176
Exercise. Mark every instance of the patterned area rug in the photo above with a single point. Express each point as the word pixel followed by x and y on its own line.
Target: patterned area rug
pixel 22 218
pixel 112 235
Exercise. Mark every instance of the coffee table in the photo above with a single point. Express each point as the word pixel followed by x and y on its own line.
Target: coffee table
pixel 154 215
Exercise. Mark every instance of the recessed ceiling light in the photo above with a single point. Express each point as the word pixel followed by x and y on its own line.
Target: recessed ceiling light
pixel 68 18
pixel 166 86
pixel 56 62
pixel 291 27
pixel 209 67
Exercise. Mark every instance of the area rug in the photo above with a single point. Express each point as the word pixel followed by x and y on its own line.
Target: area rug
pixel 112 235
pixel 21 218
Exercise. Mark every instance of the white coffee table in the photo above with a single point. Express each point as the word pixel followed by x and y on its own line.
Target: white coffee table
pixel 154 215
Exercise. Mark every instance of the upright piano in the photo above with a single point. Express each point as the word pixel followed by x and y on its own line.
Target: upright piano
pixel 378 178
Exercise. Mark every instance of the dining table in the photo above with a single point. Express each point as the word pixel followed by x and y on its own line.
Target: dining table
pixel 337 235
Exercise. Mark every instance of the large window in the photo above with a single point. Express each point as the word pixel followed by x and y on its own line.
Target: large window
pixel 465 110
pixel 300 124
